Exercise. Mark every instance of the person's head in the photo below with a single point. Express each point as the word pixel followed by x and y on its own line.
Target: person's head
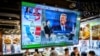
pixel 47 48
pixel 63 19
pixel 75 49
pixel 91 53
pixel 27 50
pixel 88 25
pixel 53 54
pixel 83 54
pixel 66 50
pixel 52 48
pixel 47 22
pixel 36 50
pixel 81 29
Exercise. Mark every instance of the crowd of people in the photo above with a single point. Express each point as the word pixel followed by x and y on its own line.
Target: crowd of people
pixel 53 52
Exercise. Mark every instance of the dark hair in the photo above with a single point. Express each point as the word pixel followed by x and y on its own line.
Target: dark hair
pixel 92 53
pixel 52 48
pixel 74 48
pixel 81 28
pixel 36 50
pixel 83 54
pixel 66 49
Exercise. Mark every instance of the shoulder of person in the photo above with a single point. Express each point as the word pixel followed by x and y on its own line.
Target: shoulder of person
pixel 72 53
pixel 34 53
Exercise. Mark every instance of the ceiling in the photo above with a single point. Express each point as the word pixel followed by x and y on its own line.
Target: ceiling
pixel 10 11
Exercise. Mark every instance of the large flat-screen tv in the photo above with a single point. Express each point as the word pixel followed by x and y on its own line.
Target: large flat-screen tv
pixel 46 26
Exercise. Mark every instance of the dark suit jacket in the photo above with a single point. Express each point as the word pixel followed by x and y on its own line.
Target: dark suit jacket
pixel 47 30
pixel 58 28
pixel 73 54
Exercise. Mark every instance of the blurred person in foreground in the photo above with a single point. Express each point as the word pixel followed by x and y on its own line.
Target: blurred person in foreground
pixel 75 52
pixel 37 53
pixel 66 52
pixel 91 53
pixel 27 53
pixel 53 52
pixel 46 52
pixel 83 54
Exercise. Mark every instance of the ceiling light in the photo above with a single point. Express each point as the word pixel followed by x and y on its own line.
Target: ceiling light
pixel 9 17
pixel 72 5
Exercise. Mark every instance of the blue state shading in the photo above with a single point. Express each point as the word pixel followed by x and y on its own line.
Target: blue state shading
pixel 30 36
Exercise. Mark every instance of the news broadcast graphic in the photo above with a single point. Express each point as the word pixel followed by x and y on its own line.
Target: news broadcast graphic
pixel 46 26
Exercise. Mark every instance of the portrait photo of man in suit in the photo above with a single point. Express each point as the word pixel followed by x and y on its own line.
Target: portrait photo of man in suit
pixel 63 25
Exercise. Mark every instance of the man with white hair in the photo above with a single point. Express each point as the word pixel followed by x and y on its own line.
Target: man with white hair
pixel 63 26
